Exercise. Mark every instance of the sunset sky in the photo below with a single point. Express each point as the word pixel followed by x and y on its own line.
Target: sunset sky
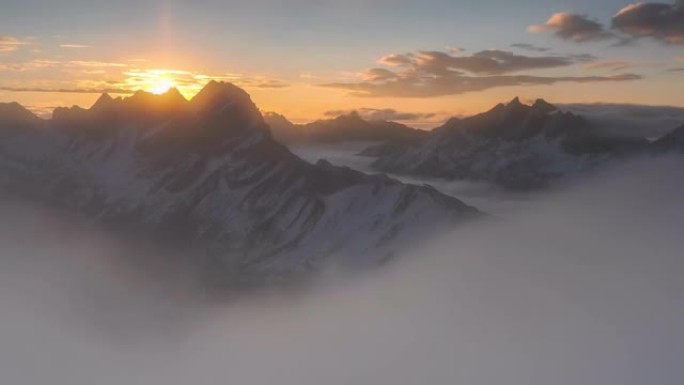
pixel 429 59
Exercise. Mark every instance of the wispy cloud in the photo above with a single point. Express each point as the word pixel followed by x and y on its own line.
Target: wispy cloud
pixel 46 63
pixel 73 46
pixel 613 65
pixel 382 114
pixel 92 64
pixel 90 76
pixel 68 90
pixel 261 82
pixel 9 43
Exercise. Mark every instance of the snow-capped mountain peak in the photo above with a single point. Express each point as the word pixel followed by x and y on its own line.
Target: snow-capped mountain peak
pixel 514 145
pixel 543 106
pixel 211 176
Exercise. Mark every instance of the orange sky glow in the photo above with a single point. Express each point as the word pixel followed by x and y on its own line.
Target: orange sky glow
pixel 307 61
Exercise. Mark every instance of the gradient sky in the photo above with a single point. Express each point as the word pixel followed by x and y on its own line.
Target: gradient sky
pixel 282 52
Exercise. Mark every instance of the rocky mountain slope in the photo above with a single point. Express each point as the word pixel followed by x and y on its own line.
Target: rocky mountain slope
pixel 344 128
pixel 207 173
pixel 515 146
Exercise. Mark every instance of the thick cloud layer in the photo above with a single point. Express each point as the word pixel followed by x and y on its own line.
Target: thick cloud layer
pixel 569 26
pixel 583 288
pixel 659 21
pixel 664 22
pixel 489 62
pixel 435 73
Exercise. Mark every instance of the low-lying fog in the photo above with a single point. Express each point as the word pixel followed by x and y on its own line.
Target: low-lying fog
pixel 481 195
pixel 582 287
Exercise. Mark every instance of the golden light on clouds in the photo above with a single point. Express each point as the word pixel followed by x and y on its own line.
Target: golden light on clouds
pixel 9 43
pixel 159 81
pixel 74 46
pixel 188 83
pixel 156 81
pixel 161 86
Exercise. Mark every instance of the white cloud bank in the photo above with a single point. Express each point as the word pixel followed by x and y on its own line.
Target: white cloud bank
pixel 582 288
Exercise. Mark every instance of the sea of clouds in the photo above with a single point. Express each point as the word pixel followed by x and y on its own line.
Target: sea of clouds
pixel 583 286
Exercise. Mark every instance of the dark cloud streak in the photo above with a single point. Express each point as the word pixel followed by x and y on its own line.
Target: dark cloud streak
pixel 387 114
pixel 530 47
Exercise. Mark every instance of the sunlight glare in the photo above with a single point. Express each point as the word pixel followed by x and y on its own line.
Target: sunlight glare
pixel 161 86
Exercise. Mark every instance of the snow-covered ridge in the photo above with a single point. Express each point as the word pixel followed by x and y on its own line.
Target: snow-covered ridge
pixel 515 146
pixel 207 173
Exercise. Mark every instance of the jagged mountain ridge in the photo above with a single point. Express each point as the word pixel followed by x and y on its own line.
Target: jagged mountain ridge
pixel 346 127
pixel 207 172
pixel 515 146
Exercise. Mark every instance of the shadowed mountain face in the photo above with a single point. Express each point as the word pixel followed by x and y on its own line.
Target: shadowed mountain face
pixel 350 127
pixel 515 146
pixel 14 115
pixel 207 173
pixel 674 141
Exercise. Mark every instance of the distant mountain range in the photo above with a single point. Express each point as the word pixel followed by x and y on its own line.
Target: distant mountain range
pixel 207 173
pixel 344 128
pixel 515 146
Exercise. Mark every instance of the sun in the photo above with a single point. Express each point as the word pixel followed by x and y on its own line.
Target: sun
pixel 161 86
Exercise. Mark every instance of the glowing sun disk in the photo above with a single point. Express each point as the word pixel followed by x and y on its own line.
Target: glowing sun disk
pixel 161 86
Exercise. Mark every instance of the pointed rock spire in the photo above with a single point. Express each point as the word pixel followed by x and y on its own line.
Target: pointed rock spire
pixel 544 107
pixel 174 95
pixel 515 108
pixel 16 113
pixel 103 102
pixel 220 96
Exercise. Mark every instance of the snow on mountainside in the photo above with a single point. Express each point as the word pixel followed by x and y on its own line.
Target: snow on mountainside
pixel 207 173
pixel 344 128
pixel 515 146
